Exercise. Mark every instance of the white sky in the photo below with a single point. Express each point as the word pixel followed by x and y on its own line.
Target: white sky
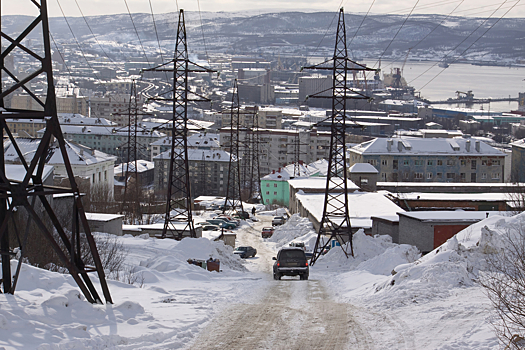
pixel 477 8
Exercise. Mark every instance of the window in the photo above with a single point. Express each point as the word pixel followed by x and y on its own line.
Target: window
pixel 430 162
pixel 275 193
pixel 451 162
pixel 405 176
pixel 439 162
pixel 495 176
pixel 93 178
pixel 483 162
pixel 463 162
pixel 394 164
pixel 384 162
pixel 274 185
pixel 439 175
pixel 462 176
pixel 267 192
pixel 496 162
pixel 99 177
pixel 473 164
pixel 372 162
pixel 484 176
pixel 418 162
pixel 406 162
pixel 429 176
pixel 451 176
pixel 267 185
pixel 418 176
pixel 383 176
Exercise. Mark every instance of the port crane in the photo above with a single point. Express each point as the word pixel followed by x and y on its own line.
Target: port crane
pixel 461 95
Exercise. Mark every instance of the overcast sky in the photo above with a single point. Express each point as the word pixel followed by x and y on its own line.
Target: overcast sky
pixel 477 8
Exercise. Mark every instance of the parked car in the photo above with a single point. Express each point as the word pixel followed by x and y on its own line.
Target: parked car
pixel 222 224
pixel 245 251
pixel 228 218
pixel 298 244
pixel 278 220
pixel 210 227
pixel 267 232
pixel 243 214
pixel 291 261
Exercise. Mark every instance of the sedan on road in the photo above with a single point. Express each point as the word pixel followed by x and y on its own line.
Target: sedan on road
pixel 245 251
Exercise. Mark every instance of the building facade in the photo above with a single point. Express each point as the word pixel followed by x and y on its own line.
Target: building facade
pixel 411 159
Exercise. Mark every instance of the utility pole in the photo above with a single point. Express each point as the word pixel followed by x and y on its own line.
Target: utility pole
pixel 22 192
pixel 178 218
pixel 233 189
pixel 335 223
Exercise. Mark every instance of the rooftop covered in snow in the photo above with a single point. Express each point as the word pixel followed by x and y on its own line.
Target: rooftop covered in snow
pixel 431 146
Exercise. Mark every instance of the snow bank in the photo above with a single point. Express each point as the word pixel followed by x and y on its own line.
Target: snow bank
pixel 295 229
pixel 376 255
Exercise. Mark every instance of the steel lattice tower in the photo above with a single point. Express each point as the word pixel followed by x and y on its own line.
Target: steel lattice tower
pixel 178 218
pixel 233 189
pixel 254 172
pixel 335 223
pixel 16 194
pixel 131 198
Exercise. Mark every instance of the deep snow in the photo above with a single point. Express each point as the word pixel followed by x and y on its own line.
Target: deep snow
pixel 431 302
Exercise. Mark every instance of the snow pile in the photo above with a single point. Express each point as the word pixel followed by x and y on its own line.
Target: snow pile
pixel 193 248
pixel 376 255
pixel 295 229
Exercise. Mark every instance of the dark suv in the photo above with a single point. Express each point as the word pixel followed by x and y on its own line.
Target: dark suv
pixel 291 261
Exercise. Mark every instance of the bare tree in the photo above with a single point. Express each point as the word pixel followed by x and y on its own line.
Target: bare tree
pixel 504 283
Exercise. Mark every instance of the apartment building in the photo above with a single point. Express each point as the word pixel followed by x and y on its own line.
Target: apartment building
pixel 412 159
pixel 277 147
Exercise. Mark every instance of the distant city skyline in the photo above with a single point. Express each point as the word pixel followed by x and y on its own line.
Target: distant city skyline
pixel 470 8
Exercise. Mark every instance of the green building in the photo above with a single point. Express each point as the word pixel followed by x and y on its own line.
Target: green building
pixel 275 188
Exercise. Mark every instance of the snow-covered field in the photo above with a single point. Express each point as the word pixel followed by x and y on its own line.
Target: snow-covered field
pixel 433 302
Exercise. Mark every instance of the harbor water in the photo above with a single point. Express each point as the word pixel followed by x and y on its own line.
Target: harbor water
pixel 436 83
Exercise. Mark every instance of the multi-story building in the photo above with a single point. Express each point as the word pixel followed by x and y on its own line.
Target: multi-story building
pixel 95 167
pixel 200 141
pixel 277 147
pixel 108 139
pixel 208 170
pixel 431 160
pixel 30 127
pixel 517 173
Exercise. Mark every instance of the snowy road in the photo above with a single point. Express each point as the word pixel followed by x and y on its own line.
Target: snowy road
pixel 291 314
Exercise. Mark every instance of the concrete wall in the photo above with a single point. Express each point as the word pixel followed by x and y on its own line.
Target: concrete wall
pixel 385 227
pixel 112 226
pixel 415 232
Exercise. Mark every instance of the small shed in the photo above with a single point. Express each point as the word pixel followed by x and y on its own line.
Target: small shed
pixel 428 230
pixel 364 175
pixel 107 223
pixel 386 225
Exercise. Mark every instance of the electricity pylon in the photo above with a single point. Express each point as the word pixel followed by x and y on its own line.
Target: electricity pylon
pixel 23 191
pixel 178 218
pixel 233 190
pixel 335 223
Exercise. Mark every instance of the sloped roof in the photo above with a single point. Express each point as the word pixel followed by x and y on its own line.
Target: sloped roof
pixel 363 168
pixel 420 146
pixel 77 154
pixel 195 154
pixel 142 166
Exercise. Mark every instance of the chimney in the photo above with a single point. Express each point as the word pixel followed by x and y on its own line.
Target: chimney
pixel 389 144
pixel 273 171
pixel 399 146
pixel 478 146
pixel 467 145
pixel 279 170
